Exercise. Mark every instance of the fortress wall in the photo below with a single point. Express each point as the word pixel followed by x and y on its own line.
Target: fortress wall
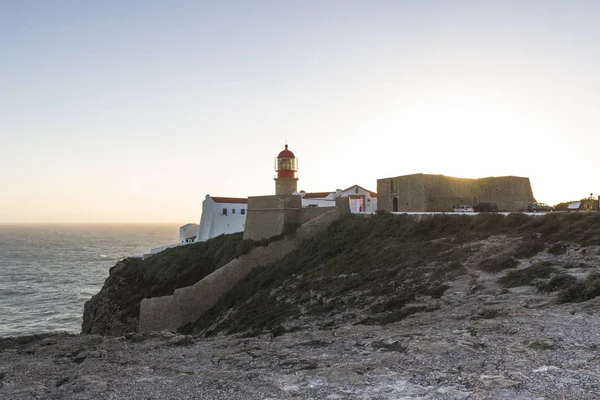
pixel 434 193
pixel 511 193
pixel 384 195
pixel 409 189
pixel 445 192
pixel 268 215
pixel 189 303
pixel 306 214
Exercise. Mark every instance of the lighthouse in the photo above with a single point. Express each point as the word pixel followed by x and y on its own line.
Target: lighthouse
pixel 286 167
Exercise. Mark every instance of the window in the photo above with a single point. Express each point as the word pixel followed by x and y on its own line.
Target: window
pixel 224 211
pixel 243 211
pixel 233 210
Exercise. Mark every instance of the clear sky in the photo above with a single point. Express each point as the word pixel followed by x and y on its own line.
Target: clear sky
pixel 135 110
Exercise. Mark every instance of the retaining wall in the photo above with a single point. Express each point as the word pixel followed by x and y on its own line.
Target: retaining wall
pixel 188 304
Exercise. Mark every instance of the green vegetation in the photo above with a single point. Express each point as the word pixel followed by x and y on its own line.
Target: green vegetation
pixel 558 282
pixel 497 264
pixel 134 279
pixel 380 265
pixel 579 291
pixel 526 276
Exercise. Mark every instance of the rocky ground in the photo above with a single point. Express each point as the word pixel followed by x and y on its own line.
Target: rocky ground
pixel 384 308
pixel 511 344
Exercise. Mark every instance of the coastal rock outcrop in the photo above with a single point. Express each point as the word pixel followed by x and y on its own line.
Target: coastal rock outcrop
pixel 115 309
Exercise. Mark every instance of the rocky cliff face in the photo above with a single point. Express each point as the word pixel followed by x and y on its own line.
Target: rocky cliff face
pixel 115 309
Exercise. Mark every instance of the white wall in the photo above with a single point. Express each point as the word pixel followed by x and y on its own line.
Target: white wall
pixel 187 231
pixel 214 223
pixel 318 202
pixel 370 204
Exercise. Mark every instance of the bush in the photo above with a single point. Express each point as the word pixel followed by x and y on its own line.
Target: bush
pixel 497 264
pixel 558 248
pixel 527 276
pixel 558 282
pixel 529 247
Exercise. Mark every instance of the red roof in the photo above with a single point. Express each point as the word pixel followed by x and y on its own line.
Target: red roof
pixel 372 194
pixel 320 195
pixel 317 195
pixel 286 153
pixel 234 200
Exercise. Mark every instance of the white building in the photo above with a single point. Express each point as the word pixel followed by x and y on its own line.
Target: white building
pixel 228 214
pixel 221 215
pixel 188 233
pixel 361 199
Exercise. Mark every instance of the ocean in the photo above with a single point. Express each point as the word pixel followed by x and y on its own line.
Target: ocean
pixel 48 271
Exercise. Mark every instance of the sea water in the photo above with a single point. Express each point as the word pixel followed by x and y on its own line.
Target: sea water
pixel 48 272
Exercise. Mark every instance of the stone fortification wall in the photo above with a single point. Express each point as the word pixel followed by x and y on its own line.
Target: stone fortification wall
pixel 429 193
pixel 268 215
pixel 445 192
pixel 511 193
pixel 306 214
pixel 188 304
pixel 409 190
pixel 342 205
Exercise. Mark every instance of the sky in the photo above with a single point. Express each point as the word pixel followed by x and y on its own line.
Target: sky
pixel 133 111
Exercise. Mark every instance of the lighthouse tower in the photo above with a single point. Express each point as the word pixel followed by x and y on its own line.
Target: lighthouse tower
pixel 286 167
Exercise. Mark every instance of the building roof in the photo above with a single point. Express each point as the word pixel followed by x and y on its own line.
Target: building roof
pixel 231 200
pixel 316 195
pixel 322 195
pixel 372 194
pixel 286 153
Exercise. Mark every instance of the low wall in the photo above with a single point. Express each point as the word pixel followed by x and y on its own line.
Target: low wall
pixel 188 304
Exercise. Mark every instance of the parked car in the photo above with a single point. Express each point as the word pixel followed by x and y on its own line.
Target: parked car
pixel 486 207
pixel 463 209
pixel 535 207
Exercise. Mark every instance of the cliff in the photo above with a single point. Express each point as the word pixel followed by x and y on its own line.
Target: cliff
pixel 115 309
pixel 450 307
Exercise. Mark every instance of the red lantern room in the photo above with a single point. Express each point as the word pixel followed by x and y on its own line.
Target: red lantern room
pixel 286 166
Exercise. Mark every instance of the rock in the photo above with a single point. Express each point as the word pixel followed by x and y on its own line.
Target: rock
pixel 497 381
pixel 546 368
pixel 183 340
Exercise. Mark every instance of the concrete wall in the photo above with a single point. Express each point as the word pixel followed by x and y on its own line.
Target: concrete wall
pixel 189 303
pixel 268 215
pixel 424 193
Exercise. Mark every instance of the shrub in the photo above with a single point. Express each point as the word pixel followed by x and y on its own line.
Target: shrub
pixel 558 248
pixel 558 282
pixel 592 286
pixel 450 271
pixel 437 292
pixel 526 276
pixel 580 291
pixel 497 264
pixel 528 248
